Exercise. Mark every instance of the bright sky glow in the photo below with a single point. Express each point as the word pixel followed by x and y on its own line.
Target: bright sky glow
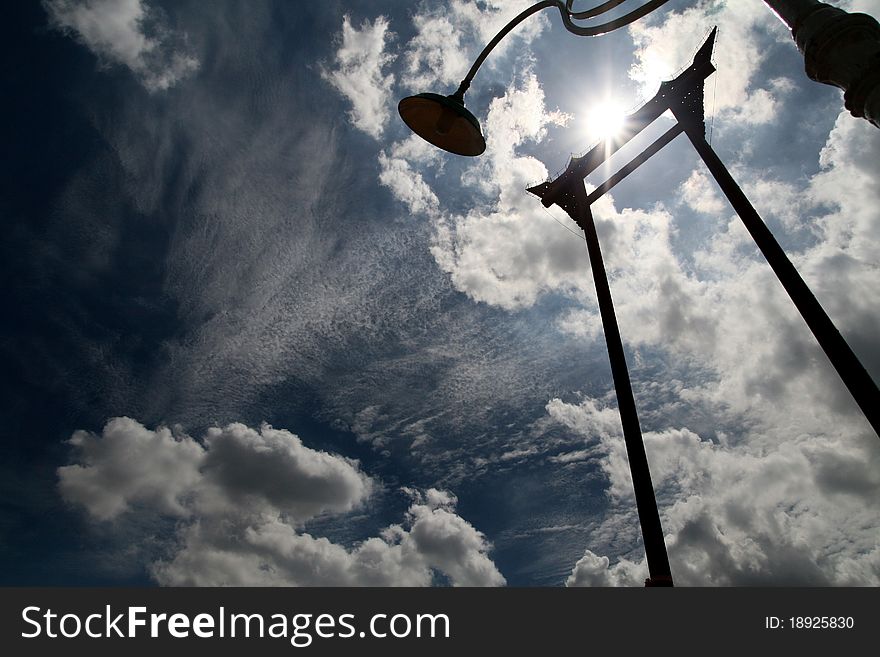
pixel 605 120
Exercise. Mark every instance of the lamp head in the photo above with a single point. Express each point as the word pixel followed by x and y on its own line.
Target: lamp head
pixel 444 122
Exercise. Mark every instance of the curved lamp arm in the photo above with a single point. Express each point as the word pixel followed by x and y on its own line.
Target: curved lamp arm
pixel 623 21
pixel 567 20
pixel 595 11
pixel 444 121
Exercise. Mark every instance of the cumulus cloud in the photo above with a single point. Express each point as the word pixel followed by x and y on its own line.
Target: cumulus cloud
pixel 274 469
pixel 653 290
pixel 130 464
pixel 865 6
pixel 847 183
pixel 272 553
pixel 700 193
pixel 800 510
pixel 593 570
pixel 126 32
pixel 842 266
pixel 449 37
pixel 243 496
pixel 762 348
pixel 398 173
pixel 725 313
pixel 758 370
pixel 748 35
pixel 782 201
pixel 509 250
pixel 359 73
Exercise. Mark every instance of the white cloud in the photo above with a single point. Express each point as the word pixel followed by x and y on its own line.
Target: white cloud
pixel 407 184
pixel 593 570
pixel 653 290
pixel 762 350
pixel 243 496
pixel 799 510
pixel 758 506
pixel 758 367
pixel 847 183
pixel 435 54
pixel 700 193
pixel 449 37
pixel 842 267
pixel 358 74
pixel 272 553
pixel 866 6
pixel 765 506
pixel 781 200
pixel 273 469
pixel 129 464
pixel 510 250
pixel 126 32
pixel 449 543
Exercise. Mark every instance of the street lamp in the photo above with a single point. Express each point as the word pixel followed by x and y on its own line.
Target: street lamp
pixel 840 49
pixel 445 122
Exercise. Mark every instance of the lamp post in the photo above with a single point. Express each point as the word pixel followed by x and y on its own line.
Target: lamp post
pixel 839 48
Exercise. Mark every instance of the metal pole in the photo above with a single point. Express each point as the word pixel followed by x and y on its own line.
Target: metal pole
pixel 646 503
pixel 855 377
pixel 840 48
pixel 790 10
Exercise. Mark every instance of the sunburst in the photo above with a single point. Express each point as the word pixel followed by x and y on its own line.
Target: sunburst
pixel 605 120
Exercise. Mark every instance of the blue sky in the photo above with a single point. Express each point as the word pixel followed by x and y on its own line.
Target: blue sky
pixel 261 334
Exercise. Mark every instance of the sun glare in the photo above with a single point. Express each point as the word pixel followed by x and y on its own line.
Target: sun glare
pixel 605 121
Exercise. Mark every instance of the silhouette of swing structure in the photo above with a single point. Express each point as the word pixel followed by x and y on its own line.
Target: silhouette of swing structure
pixel 683 96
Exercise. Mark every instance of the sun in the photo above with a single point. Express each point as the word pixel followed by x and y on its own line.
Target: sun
pixel 605 120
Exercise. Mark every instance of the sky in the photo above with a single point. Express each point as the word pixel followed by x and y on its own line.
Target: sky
pixel 257 333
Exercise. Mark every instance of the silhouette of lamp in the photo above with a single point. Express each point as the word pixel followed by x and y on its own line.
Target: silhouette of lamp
pixel 840 48
pixel 445 122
